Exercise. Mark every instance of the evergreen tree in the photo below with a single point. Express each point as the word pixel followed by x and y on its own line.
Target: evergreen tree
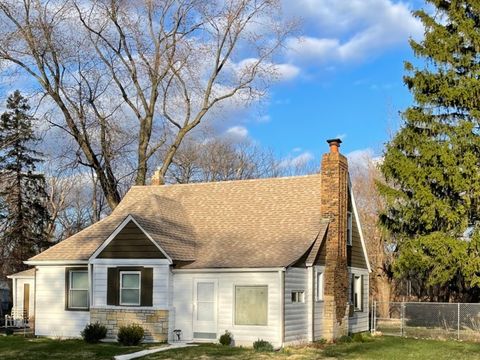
pixel 432 163
pixel 23 212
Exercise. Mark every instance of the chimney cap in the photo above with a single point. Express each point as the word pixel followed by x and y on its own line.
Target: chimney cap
pixel 334 144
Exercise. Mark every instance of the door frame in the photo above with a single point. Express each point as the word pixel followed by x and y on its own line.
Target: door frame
pixel 203 327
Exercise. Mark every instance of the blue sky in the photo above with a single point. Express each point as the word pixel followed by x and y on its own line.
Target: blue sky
pixel 349 81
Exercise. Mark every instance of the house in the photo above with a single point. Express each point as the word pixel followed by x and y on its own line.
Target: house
pixel 280 259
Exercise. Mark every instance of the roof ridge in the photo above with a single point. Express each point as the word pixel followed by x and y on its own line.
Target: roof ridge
pixel 235 181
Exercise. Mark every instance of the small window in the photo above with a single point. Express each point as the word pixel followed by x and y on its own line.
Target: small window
pixel 356 292
pixel 298 296
pixel 130 287
pixel 319 286
pixel 349 228
pixel 251 305
pixel 77 289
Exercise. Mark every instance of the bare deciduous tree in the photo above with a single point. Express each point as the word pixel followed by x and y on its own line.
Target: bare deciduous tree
pixel 164 63
pixel 220 159
pixel 365 175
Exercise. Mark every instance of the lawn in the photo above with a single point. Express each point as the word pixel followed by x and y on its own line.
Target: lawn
pixel 382 348
pixel 19 348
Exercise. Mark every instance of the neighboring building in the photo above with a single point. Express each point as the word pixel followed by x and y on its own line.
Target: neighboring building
pixel 279 259
pixel 4 298
pixel 23 295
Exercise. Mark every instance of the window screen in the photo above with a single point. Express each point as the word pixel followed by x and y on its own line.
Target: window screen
pixel 130 288
pixel 251 305
pixel 298 296
pixel 78 289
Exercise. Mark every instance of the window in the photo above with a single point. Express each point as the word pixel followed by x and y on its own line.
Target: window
pixel 349 228
pixel 130 287
pixel 356 292
pixel 298 296
pixel 251 305
pixel 319 286
pixel 77 289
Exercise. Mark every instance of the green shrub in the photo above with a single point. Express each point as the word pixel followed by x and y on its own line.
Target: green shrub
pixel 262 345
pixel 226 339
pixel 9 331
pixel 362 337
pixel 344 339
pixel 130 335
pixel 93 333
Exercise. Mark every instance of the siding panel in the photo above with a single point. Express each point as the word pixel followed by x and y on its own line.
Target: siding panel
pixel 360 321
pixel 51 317
pixel 246 335
pixel 296 322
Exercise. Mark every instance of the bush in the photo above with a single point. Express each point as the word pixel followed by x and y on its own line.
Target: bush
pixel 93 333
pixel 344 339
pixel 362 337
pixel 262 345
pixel 8 331
pixel 226 339
pixel 130 335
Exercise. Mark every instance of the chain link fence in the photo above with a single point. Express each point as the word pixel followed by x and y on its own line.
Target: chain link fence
pixel 458 321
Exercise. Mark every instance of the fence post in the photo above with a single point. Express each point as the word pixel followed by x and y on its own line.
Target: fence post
pixel 373 316
pixel 458 321
pixel 402 316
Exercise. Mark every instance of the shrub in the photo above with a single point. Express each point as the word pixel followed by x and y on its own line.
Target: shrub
pixel 262 345
pixel 344 339
pixel 362 337
pixel 226 339
pixel 130 335
pixel 93 333
pixel 8 331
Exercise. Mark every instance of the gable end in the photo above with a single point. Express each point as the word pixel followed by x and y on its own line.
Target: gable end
pixel 131 243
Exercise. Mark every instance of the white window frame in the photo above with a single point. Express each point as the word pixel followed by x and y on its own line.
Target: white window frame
pixel 298 296
pixel 357 292
pixel 349 228
pixel 235 303
pixel 70 289
pixel 139 273
pixel 319 286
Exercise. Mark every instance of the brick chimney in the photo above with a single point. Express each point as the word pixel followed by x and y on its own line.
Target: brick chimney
pixel 334 207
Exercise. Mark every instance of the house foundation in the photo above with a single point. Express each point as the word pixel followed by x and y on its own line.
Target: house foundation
pixel 154 322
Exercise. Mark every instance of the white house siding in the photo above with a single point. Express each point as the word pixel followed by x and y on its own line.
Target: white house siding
pixel 51 318
pixel 318 308
pixel 359 321
pixel 226 282
pixel 296 321
pixel 161 275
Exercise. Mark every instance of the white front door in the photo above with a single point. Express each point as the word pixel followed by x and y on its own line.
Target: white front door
pixel 205 310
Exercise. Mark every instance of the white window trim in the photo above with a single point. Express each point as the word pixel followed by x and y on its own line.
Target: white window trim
pixel 235 304
pixel 139 273
pixel 319 283
pixel 349 228
pixel 70 289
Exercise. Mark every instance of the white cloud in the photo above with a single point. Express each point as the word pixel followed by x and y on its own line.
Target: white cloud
pixel 286 72
pixel 296 161
pixel 360 158
pixel 350 31
pixel 237 132
pixel 341 136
